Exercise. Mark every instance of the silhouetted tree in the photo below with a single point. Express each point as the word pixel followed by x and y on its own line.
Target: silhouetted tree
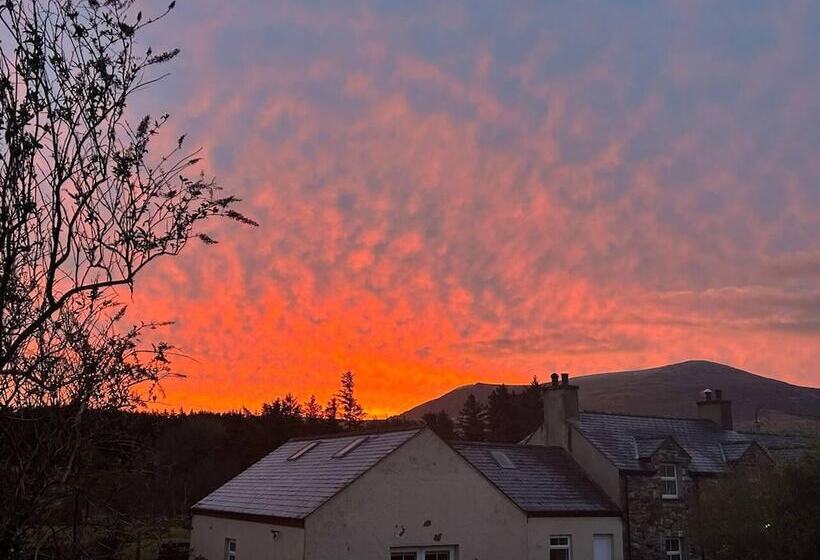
pixel 313 410
pixel 287 407
pixel 352 411
pixel 772 515
pixel 85 205
pixel 502 415
pixel 471 420
pixel 331 413
pixel 531 407
pixel 441 423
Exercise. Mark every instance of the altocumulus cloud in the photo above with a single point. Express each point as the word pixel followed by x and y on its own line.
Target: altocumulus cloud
pixel 452 192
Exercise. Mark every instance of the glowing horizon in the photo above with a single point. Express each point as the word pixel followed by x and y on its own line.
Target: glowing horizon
pixel 460 193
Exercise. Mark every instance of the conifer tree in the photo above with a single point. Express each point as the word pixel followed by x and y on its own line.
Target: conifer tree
pixel 352 412
pixel 313 410
pixel 471 420
pixel 441 424
pixel 502 415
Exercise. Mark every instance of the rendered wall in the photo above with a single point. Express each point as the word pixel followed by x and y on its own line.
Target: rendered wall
pixel 596 465
pixel 254 541
pixel 424 494
pixel 581 529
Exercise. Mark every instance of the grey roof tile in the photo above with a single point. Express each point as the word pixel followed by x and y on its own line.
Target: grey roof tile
pixel 277 487
pixel 544 480
pixel 625 439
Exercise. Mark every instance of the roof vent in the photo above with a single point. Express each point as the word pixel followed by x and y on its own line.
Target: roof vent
pixel 501 458
pixel 304 450
pixel 349 447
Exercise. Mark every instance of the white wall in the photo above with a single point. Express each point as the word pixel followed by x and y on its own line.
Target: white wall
pixel 426 481
pixel 581 529
pixel 422 490
pixel 254 541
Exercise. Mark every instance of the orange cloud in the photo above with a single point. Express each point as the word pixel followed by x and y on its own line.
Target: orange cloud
pixel 448 196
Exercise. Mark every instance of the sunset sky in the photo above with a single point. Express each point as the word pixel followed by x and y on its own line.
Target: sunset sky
pixel 482 191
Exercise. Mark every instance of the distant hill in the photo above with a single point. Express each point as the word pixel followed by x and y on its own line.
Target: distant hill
pixel 671 390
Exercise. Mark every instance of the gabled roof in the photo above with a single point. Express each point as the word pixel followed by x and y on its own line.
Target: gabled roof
pixel 615 436
pixel 276 487
pixel 544 480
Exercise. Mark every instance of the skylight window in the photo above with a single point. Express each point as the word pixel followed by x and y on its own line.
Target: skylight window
pixel 349 447
pixel 503 461
pixel 303 450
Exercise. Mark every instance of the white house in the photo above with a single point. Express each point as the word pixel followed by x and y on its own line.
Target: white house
pixel 408 495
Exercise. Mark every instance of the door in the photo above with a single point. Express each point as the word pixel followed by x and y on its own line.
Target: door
pixel 602 547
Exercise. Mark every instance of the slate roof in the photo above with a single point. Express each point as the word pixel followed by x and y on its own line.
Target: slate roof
pixel 625 439
pixel 277 487
pixel 614 436
pixel 545 480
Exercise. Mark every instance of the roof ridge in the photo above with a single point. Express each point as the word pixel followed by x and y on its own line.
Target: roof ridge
pixel 660 417
pixel 496 444
pixel 358 433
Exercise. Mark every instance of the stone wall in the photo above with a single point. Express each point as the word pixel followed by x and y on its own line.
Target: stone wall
pixel 652 518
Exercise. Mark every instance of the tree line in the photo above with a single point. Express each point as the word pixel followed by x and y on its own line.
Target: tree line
pixel 508 416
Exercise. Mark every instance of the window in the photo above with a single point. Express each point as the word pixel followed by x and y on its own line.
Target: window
pixel 503 461
pixel 230 549
pixel 303 450
pixel 669 481
pixel 560 547
pixel 424 553
pixel 602 547
pixel 349 447
pixel 674 550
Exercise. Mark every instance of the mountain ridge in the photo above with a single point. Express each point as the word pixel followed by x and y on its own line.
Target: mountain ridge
pixel 669 390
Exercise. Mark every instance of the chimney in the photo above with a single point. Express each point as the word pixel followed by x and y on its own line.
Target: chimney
pixel 560 407
pixel 716 409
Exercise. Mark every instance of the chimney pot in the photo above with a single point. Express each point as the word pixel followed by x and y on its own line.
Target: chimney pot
pixel 554 378
pixel 717 410
pixel 564 379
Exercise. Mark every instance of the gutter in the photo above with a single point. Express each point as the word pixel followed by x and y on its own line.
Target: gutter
pixel 254 517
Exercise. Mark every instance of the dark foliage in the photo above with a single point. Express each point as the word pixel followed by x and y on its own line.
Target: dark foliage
pixel 442 424
pixel 774 514
pixel 508 417
pixel 471 424
pixel 86 203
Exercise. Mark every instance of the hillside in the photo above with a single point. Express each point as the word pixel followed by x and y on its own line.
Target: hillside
pixel 671 390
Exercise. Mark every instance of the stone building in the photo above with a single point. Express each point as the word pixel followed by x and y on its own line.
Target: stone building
pixel 655 467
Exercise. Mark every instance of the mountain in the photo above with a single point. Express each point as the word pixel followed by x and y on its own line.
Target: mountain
pixel 671 390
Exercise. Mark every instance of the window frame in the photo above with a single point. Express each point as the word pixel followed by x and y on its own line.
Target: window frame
pixel 302 451
pixel 349 447
pixel 567 546
pixel 673 554
pixel 419 552
pixel 665 478
pixel 502 459
pixel 230 554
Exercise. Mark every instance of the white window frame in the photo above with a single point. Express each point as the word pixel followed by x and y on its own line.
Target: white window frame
pixel 665 478
pixel 673 554
pixel 561 546
pixel 303 450
pixel 502 459
pixel 230 554
pixel 419 551
pixel 349 447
